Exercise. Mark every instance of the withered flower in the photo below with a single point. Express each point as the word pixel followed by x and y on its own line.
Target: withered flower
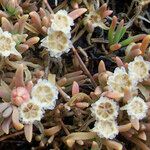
pixel 96 17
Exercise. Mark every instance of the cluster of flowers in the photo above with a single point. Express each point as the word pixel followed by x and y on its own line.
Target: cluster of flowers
pixel 25 103
pixel 58 40
pixel 105 110
pixel 31 104
pixel 43 96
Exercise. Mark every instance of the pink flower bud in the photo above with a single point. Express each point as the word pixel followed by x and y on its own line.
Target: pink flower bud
pixel 19 95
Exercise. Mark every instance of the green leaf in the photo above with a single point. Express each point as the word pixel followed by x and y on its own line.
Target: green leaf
pixel 126 42
pixel 123 31
pixel 118 32
pixel 111 30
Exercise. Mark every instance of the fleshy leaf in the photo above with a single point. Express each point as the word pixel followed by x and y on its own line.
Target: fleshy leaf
pixel 111 30
pixel 7 112
pixel 19 77
pixel 51 131
pixel 15 119
pixel 77 13
pixel 70 139
pixel 28 131
pixel 5 91
pixel 75 88
pixel 6 125
pixel 79 97
pixel 3 106
pixel 52 78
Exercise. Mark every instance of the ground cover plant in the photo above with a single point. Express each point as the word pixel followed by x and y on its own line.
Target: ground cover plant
pixel 74 74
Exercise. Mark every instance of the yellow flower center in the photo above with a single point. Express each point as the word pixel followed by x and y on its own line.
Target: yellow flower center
pixel 121 82
pixel 57 40
pixel 108 127
pixel 105 110
pixel 61 21
pixel 137 107
pixel 31 110
pixel 140 69
pixel 43 93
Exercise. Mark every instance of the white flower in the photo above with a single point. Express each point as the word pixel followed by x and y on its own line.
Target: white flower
pixel 139 69
pixel 105 109
pixel 61 21
pixel 136 108
pixel 30 111
pixel 106 129
pixel 7 44
pixel 57 43
pixel 46 93
pixel 119 81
